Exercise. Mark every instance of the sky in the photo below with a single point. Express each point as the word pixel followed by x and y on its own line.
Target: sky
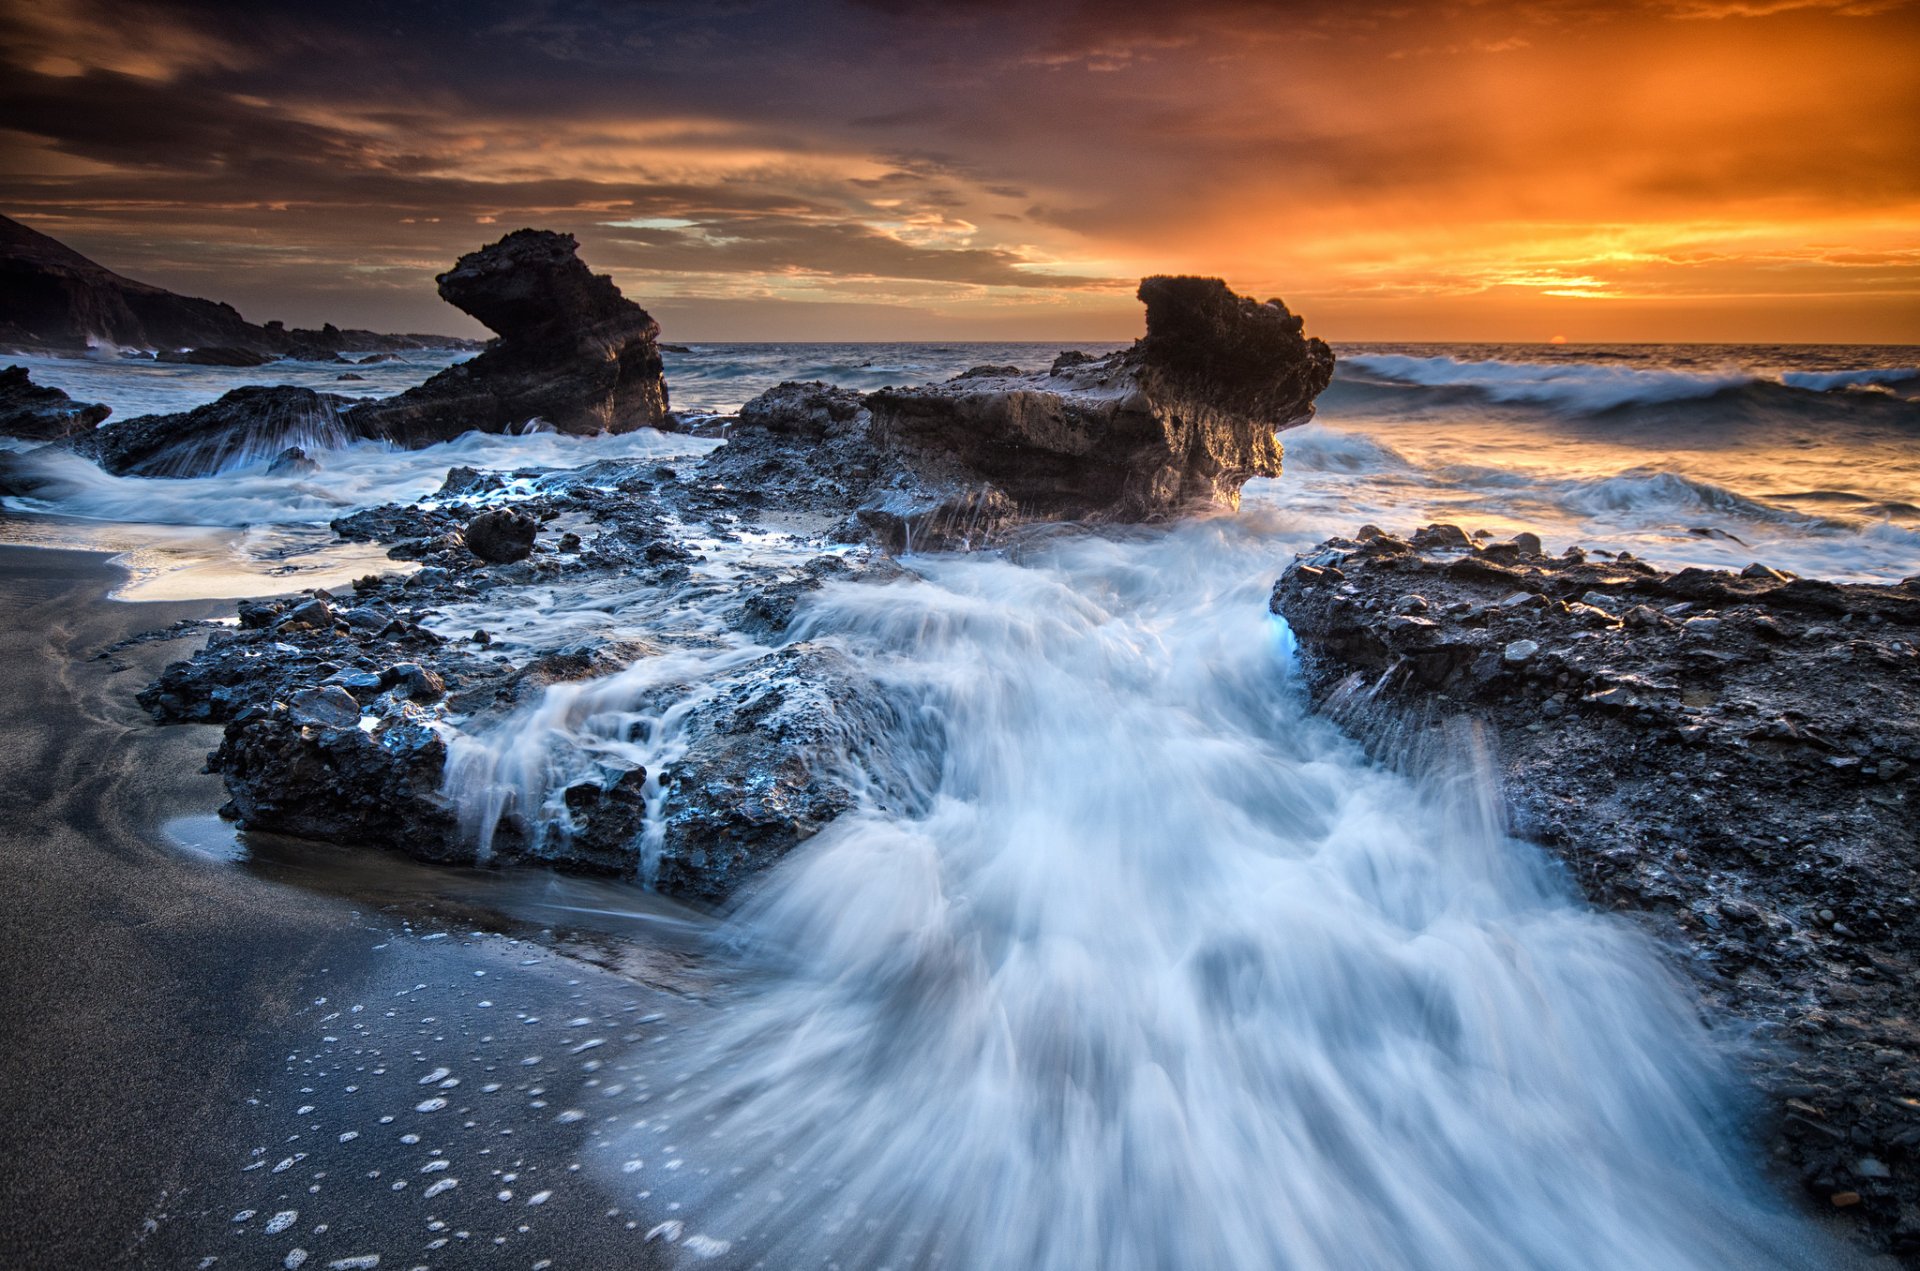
pixel 1658 170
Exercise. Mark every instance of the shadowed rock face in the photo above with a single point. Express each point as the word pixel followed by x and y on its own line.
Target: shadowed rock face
pixel 39 413
pixel 573 353
pixel 1181 420
pixel 244 426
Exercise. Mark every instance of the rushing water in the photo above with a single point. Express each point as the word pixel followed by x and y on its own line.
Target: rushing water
pixel 1132 962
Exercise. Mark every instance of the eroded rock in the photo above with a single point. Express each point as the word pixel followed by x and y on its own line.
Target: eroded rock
pixel 1731 758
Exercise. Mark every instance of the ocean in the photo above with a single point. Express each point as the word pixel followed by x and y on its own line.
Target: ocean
pixel 1805 458
pixel 1132 960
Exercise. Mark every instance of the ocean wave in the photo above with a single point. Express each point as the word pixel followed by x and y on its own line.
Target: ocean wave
pixel 1316 448
pixel 1589 387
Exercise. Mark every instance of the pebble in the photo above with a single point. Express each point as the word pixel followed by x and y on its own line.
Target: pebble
pixel 1519 652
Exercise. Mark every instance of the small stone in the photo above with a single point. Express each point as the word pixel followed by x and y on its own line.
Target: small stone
pixel 1705 627
pixel 1619 697
pixel 314 612
pixel 329 705
pixel 1411 604
pixel 414 681
pixel 1757 570
pixel 483 638
pixel 501 536
pixel 1519 652
pixel 1844 1200
pixel 1528 542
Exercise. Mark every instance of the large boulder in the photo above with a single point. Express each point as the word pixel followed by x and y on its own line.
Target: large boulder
pixel 39 413
pixel 1181 420
pixel 574 355
pixel 246 426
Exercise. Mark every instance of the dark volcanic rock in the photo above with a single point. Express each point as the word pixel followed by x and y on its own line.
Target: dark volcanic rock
pixel 501 536
pixel 39 413
pixel 1179 421
pixel 215 355
pixel 245 426
pixel 1731 758
pixel 573 353
pixel 769 763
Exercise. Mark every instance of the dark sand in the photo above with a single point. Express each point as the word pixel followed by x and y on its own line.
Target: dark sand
pixel 167 1014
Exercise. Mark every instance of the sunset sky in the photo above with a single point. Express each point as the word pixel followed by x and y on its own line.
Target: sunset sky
pixel 899 169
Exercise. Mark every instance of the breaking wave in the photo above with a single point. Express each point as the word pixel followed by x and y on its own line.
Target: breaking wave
pixel 1589 387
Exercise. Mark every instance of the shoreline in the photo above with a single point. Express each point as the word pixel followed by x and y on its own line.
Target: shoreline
pixel 173 1010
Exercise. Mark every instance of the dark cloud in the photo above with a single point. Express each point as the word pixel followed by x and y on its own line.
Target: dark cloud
pixel 948 149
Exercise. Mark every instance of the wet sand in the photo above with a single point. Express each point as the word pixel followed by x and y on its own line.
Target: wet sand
pixel 176 1026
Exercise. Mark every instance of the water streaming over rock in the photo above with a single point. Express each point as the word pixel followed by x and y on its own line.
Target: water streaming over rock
pixel 1158 970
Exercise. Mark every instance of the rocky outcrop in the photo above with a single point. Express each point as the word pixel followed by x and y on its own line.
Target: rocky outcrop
pixel 1180 420
pixel 574 355
pixel 40 413
pixel 338 708
pixel 246 426
pixel 52 298
pixel 1734 759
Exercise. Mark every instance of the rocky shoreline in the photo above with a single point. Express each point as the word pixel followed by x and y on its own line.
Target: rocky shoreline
pixel 1729 758
pixel 348 716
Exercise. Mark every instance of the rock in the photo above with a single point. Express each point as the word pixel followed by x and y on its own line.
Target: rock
pixel 987 372
pixel 242 428
pixel 293 461
pixel 1528 543
pixel 573 354
pixel 1068 360
pixel 415 682
pixel 1180 420
pixel 39 413
pixel 1444 537
pixel 314 612
pixel 763 769
pixel 215 355
pixel 1746 798
pixel 501 536
pixel 329 705
pixel 465 483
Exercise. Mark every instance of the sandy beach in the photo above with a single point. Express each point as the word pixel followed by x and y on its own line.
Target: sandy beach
pixel 169 1016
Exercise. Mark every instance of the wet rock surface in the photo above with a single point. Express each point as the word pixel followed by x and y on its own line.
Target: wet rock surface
pixel 1180 420
pixel 244 426
pixel 1731 758
pixel 40 413
pixel 341 710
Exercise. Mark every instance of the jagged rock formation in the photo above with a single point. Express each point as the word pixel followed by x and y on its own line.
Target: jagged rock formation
pixel 53 298
pixel 573 355
pixel 1733 759
pixel 40 413
pixel 1180 420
